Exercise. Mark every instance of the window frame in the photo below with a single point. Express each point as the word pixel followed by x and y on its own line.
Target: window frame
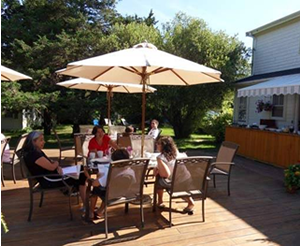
pixel 245 105
pixel 278 105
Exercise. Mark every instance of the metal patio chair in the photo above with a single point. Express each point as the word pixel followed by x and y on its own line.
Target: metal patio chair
pixel 62 149
pixel 197 167
pixel 14 160
pixel 136 142
pixel 125 183
pixel 35 187
pixel 223 163
pixel 81 142
pixel 4 143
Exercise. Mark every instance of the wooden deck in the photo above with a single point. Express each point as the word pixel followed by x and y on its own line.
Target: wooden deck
pixel 258 212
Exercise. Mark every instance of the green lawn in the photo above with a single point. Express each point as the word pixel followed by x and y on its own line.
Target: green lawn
pixel 196 141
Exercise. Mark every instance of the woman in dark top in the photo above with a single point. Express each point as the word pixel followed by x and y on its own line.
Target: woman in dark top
pixel 39 164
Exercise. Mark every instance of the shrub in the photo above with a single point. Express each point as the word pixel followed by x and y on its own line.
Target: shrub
pixel 215 123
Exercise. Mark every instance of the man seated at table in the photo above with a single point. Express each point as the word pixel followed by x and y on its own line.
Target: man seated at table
pixel 126 178
pixel 154 131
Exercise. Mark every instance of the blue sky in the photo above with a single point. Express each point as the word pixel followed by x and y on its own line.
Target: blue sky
pixel 232 16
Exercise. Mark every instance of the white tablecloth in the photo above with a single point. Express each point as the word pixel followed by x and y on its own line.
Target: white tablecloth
pixel 151 156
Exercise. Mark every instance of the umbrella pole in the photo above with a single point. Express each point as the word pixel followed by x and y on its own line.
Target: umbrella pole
pixel 108 105
pixel 143 115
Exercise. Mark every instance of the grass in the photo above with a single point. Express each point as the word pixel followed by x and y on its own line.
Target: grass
pixel 196 141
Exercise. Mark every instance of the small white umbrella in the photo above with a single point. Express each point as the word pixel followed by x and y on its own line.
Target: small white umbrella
pixel 143 64
pixel 8 74
pixel 86 84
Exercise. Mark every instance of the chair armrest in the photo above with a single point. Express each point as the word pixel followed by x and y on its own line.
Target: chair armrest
pixel 68 148
pixel 53 176
pixel 85 163
pixel 47 175
pixel 214 164
pixel 221 163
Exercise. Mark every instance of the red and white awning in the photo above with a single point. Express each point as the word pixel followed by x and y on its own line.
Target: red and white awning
pixel 289 84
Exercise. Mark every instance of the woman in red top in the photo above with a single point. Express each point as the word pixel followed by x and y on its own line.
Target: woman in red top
pixel 101 141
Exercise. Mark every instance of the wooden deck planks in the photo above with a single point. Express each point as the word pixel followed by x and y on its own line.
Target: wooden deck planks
pixel 259 212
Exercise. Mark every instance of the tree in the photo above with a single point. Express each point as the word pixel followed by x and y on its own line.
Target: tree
pixel 150 20
pixel 41 36
pixel 191 38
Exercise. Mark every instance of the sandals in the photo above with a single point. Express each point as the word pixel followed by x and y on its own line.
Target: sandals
pixel 161 205
pixel 189 211
pixel 98 216
pixel 89 220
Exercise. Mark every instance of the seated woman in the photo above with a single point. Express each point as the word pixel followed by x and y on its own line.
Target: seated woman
pixel 154 131
pixel 165 166
pixel 100 142
pixel 39 164
pixel 126 177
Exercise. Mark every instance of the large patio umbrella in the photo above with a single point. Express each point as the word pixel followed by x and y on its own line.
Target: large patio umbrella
pixel 143 64
pixel 109 88
pixel 8 74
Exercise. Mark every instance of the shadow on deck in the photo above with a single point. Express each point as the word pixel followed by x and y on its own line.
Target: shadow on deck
pixel 258 212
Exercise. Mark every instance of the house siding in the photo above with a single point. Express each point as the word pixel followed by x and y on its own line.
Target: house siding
pixel 277 49
pixel 8 123
pixel 254 117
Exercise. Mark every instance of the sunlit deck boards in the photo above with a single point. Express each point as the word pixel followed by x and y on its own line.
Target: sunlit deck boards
pixel 259 212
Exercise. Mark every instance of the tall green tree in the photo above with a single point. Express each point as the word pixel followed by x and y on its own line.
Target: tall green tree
pixel 191 38
pixel 41 36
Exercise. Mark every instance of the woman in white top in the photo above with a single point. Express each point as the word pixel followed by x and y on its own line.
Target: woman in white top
pixel 165 166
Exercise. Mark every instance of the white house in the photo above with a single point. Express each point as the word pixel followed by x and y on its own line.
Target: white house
pixel 275 75
pixel 21 120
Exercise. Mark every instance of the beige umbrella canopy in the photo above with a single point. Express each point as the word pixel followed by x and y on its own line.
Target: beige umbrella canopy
pixel 8 74
pixel 109 88
pixel 143 64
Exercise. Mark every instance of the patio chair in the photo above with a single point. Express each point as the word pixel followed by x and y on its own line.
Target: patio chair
pixel 14 160
pixel 223 163
pixel 62 149
pixel 124 122
pixel 125 183
pixel 123 141
pixel 136 142
pixel 35 187
pixel 197 167
pixel 81 142
pixel 4 143
pixel 114 130
pixel 159 133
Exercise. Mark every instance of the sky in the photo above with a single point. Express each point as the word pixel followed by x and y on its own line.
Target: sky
pixel 231 16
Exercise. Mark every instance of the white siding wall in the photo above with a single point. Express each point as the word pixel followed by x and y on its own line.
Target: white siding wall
pixel 277 50
pixel 8 123
pixel 253 117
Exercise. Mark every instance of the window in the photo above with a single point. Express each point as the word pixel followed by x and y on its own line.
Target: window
pixel 278 102
pixel 242 109
pixel 9 114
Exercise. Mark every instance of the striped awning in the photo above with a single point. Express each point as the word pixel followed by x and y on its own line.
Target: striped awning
pixel 289 84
